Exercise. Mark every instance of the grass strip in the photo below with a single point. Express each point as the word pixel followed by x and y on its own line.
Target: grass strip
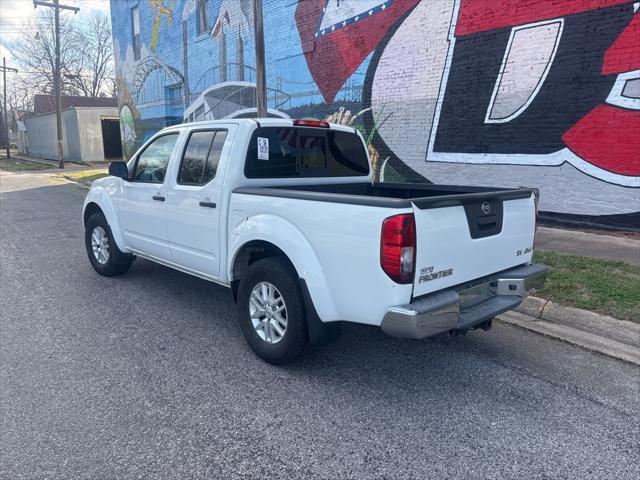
pixel 603 286
pixel 16 164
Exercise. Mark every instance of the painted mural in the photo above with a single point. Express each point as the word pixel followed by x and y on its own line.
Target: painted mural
pixel 490 92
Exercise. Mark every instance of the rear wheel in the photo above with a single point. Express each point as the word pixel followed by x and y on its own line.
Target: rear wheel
pixel 271 311
pixel 105 256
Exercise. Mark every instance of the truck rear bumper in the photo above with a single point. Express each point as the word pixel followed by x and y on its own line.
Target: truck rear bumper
pixel 460 309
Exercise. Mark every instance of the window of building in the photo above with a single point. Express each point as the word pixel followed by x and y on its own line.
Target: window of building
pixel 173 92
pixel 135 30
pixel 201 157
pixel 201 17
pixel 199 113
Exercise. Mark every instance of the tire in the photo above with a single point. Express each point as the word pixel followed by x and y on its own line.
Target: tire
pixel 265 340
pixel 108 260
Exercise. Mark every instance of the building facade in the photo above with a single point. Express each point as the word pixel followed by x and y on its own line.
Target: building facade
pixel 537 93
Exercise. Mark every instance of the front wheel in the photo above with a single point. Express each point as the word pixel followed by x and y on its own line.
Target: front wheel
pixel 105 256
pixel 271 311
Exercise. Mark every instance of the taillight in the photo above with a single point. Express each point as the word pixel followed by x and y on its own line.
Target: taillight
pixel 311 123
pixel 398 247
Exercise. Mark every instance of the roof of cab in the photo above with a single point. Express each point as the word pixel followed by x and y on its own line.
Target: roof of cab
pixel 258 122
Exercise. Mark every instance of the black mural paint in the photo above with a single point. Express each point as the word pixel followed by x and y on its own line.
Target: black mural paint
pixel 572 88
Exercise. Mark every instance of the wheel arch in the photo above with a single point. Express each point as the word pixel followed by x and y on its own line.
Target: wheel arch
pixel 277 235
pixel 319 333
pixel 249 253
pixel 99 201
pixel 90 209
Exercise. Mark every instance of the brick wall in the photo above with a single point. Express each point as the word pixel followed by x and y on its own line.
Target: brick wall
pixel 541 93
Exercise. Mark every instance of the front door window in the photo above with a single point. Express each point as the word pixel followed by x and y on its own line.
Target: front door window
pixel 151 165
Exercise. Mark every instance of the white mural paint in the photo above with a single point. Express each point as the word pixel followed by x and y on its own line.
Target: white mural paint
pixel 525 66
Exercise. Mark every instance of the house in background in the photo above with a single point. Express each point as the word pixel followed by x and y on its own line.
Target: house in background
pixel 90 129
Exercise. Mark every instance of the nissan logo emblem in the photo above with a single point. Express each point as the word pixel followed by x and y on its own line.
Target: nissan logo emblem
pixel 486 207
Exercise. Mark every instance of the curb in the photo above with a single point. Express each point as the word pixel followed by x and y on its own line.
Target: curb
pixel 41 161
pixel 82 183
pixel 612 337
pixel 45 161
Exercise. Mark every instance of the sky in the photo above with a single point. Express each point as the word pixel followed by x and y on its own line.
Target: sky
pixel 16 14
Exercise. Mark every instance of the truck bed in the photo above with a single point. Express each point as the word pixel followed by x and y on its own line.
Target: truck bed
pixel 393 195
pixel 463 233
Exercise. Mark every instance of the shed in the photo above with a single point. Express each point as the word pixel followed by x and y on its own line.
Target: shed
pixel 89 134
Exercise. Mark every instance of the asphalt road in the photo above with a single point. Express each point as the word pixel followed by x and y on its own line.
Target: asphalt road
pixel 148 376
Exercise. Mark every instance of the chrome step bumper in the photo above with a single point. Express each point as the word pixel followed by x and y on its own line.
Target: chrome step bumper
pixel 460 309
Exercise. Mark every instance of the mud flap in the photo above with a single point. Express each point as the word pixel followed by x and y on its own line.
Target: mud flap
pixel 320 333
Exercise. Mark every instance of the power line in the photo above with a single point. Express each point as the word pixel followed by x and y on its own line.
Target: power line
pixel 39 23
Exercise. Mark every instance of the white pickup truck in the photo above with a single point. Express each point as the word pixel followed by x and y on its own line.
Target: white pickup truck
pixel 284 213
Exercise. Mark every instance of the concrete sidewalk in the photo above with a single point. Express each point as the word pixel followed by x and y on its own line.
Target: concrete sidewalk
pixel 588 244
pixel 53 164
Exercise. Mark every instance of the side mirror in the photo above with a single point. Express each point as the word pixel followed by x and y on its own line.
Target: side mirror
pixel 119 169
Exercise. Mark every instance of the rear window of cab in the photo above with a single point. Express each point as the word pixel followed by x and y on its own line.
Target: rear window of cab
pixel 288 152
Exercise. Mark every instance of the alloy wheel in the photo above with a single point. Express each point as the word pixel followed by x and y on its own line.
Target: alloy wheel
pixel 100 244
pixel 268 312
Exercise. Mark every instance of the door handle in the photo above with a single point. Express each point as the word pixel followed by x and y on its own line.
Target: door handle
pixel 159 198
pixel 207 204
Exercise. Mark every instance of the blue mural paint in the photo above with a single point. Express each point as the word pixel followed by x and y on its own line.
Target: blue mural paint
pixel 221 65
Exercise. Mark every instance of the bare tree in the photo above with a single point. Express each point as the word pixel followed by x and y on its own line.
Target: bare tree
pixel 19 100
pixel 86 55
pixel 35 52
pixel 20 93
pixel 113 87
pixel 93 74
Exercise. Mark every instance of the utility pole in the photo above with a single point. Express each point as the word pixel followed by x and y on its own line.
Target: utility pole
pixel 6 69
pixel 261 80
pixel 56 77
pixel 185 64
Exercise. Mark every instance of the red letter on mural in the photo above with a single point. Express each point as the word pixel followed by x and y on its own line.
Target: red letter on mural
pixel 608 137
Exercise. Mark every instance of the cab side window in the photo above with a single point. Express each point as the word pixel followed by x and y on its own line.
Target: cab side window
pixel 151 164
pixel 201 157
pixel 279 159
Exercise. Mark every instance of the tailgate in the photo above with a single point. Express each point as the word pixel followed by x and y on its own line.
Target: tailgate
pixel 471 239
